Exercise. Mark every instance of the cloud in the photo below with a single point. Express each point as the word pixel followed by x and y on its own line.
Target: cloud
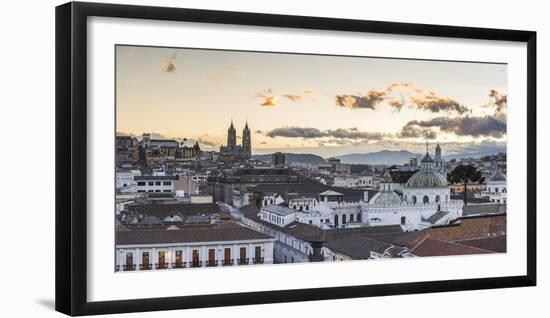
pixel 463 126
pixel 292 97
pixel 269 101
pixel 168 66
pixel 369 101
pixel 409 95
pixel 498 100
pixel 259 132
pixel 353 133
pixel 396 85
pixel 435 104
pixel 207 143
pixel 413 131
pixel 296 132
pixel 340 136
pixel 263 143
pixel 397 103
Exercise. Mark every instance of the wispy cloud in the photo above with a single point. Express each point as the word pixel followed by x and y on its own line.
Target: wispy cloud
pixel 269 101
pixel 399 94
pixel 168 65
pixel 369 101
pixel 435 104
pixel 473 126
pixel 292 97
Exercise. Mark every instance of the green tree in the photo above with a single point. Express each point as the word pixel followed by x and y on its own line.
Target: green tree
pixel 465 174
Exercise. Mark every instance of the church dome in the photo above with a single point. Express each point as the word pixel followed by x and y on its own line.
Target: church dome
pixel 427 179
pixel 385 198
pixel 497 176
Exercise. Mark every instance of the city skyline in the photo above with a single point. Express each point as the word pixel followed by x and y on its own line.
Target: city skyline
pixel 325 105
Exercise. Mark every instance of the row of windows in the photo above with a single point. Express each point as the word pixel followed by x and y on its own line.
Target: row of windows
pixel 426 199
pixel 154 183
pixel 195 256
pixel 141 191
pixel 344 218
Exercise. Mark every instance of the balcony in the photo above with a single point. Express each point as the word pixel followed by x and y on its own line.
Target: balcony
pixel 129 267
pixel 161 265
pixel 212 263
pixel 242 261
pixel 227 262
pixel 259 260
pixel 179 264
pixel 145 267
pixel 196 264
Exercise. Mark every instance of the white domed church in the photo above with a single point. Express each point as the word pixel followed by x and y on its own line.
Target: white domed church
pixel 425 201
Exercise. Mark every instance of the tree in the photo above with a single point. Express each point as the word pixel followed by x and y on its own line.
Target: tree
pixel 465 174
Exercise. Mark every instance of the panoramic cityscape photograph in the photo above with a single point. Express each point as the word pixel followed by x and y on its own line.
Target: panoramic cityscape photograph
pixel 239 158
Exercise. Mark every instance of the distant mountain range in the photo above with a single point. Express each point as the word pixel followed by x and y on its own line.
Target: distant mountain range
pixel 399 157
pixel 387 157
pixel 384 157
pixel 294 158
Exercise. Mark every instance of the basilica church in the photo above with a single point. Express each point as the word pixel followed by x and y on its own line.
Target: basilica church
pixel 233 150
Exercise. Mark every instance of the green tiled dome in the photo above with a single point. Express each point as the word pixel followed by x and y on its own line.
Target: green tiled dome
pixel 385 198
pixel 427 179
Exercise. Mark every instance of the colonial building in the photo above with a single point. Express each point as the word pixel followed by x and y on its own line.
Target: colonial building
pixel 156 183
pixel 191 246
pixel 496 187
pixel 234 151
pixel 236 187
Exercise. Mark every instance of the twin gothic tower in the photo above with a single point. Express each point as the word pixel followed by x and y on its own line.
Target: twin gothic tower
pixel 232 149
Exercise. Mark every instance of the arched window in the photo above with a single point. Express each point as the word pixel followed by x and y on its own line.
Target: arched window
pixel 300 208
pixel 403 220
pixel 413 199
pixel 307 207
pixel 425 199
pixel 336 220
pixel 496 189
pixel 359 217
pixel 343 219
pixel 351 217
pixel 437 199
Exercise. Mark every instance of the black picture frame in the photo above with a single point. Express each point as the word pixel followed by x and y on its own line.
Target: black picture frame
pixel 71 157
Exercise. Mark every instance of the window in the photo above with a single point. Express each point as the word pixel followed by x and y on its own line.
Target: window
pixel 425 199
pixel 161 259
pixel 227 256
pixel 343 219
pixel 413 199
pixel 242 255
pixel 196 258
pixel 129 259
pixel 179 258
pixel 403 220
pixel 310 222
pixel 157 183
pixel 211 257
pixel 150 183
pixel 141 183
pixel 336 220
pixel 145 260
pixel 437 199
pixel 167 183
pixel 257 254
pixel 351 216
pixel 166 191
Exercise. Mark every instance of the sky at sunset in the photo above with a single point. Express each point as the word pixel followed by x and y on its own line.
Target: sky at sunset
pixel 326 105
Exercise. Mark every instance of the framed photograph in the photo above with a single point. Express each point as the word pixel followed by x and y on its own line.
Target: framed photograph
pixel 211 158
